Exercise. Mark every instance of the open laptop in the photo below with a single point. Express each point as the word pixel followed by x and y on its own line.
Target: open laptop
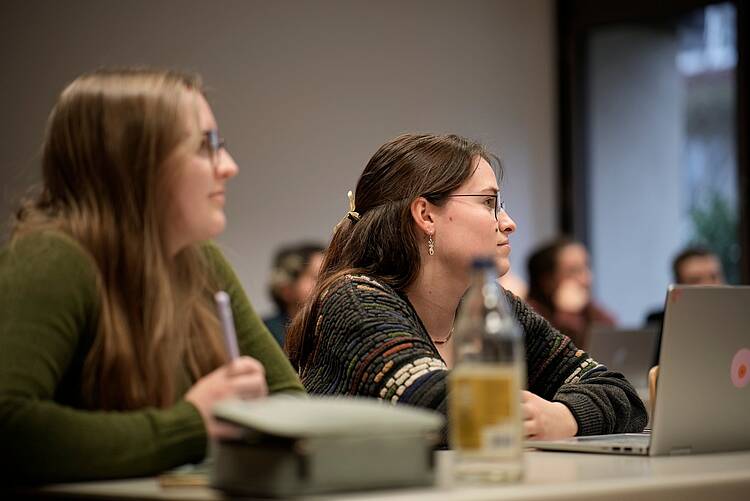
pixel 703 391
pixel 630 352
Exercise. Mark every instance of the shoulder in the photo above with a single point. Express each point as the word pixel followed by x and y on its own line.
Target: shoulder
pixel 48 242
pixel 363 284
pixel 359 299
pixel 363 293
pixel 537 330
pixel 218 266
pixel 50 254
pixel 214 257
pixel 46 275
pixel 524 311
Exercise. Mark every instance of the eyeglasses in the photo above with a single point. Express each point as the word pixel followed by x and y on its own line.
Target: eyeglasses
pixel 493 202
pixel 213 144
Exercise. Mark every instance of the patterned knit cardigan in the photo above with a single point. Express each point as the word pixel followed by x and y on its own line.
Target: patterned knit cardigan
pixel 369 341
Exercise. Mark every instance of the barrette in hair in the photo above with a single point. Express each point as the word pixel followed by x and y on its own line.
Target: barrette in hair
pixel 352 214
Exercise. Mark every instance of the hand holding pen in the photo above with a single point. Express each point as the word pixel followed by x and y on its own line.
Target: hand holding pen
pixel 242 377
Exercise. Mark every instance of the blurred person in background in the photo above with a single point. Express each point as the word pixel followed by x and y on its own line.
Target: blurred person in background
pixel 293 276
pixel 694 265
pixel 560 289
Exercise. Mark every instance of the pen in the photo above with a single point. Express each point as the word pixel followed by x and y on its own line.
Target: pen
pixel 227 324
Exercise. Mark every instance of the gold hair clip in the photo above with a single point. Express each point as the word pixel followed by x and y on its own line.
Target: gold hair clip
pixel 353 214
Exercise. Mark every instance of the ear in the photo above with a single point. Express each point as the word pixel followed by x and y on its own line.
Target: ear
pixel 422 212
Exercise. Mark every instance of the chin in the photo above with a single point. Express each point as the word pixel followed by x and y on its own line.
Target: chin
pixel 503 266
pixel 218 226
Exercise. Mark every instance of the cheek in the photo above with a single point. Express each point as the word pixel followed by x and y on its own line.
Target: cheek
pixel 476 235
pixel 190 210
pixel 184 204
pixel 174 209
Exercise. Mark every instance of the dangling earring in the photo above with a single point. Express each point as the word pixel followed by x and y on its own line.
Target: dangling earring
pixel 430 246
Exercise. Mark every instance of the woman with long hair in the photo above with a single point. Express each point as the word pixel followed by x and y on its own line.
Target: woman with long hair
pixel 560 289
pixel 111 352
pixel 380 320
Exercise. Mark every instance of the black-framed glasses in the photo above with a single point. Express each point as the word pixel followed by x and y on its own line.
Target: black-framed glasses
pixel 493 202
pixel 213 144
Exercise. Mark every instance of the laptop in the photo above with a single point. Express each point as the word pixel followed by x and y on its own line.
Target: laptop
pixel 703 390
pixel 630 352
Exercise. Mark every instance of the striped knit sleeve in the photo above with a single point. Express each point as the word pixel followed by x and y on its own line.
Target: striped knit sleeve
pixel 602 401
pixel 369 343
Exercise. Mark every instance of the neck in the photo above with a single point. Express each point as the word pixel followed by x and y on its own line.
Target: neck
pixel 435 296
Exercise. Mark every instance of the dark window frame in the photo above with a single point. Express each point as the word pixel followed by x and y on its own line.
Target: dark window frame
pixel 574 21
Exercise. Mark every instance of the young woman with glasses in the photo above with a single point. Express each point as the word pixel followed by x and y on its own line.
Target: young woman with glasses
pixel 392 279
pixel 111 351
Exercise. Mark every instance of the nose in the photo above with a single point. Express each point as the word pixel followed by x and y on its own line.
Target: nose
pixel 226 167
pixel 505 223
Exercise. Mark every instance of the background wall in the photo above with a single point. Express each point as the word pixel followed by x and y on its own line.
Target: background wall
pixel 304 93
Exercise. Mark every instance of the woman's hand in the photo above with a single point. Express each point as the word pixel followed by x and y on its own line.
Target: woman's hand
pixel 545 420
pixel 242 378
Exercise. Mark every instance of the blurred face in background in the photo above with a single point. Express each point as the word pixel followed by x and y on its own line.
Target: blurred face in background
pixel 701 270
pixel 305 283
pixel 573 265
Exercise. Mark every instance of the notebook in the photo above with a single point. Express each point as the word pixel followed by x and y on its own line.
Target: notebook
pixel 629 352
pixel 703 391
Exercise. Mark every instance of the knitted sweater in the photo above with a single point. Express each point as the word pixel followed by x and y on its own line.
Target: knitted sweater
pixel 370 341
pixel 577 326
pixel 48 312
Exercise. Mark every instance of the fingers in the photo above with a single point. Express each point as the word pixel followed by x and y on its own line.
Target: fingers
pixel 246 378
pixel 219 430
pixel 530 430
pixel 528 405
pixel 530 414
pixel 245 365
pixel 248 386
pixel 545 420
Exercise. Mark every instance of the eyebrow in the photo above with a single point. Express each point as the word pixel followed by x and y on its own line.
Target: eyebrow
pixel 490 190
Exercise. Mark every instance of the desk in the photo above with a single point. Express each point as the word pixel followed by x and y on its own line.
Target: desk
pixel 549 476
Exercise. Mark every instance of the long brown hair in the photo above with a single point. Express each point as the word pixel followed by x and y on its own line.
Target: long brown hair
pixel 384 242
pixel 104 180
pixel 542 268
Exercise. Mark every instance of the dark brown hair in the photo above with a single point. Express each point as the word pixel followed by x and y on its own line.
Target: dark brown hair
pixel 684 255
pixel 542 266
pixel 384 243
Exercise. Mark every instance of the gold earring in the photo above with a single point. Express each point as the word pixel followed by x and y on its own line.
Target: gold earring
pixel 431 246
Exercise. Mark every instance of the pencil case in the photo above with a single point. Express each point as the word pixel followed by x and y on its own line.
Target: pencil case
pixel 297 446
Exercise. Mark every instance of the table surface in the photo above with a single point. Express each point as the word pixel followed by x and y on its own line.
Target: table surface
pixel 548 476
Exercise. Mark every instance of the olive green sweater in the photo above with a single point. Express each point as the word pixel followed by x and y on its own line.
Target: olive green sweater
pixel 48 311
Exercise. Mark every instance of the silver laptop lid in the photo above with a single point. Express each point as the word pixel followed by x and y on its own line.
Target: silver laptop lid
pixel 628 351
pixel 703 391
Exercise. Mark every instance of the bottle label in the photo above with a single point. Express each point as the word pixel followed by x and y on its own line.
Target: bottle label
pixel 483 409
